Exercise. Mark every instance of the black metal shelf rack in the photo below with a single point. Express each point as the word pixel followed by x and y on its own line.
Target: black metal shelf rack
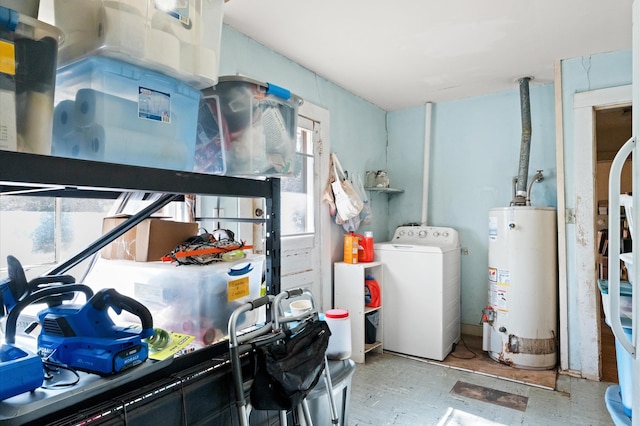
pixel 30 174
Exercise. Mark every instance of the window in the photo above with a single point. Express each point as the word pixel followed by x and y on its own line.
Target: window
pixel 41 231
pixel 297 195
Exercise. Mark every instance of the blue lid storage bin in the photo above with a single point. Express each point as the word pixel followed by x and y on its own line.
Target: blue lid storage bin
pixel 116 112
pixel 180 38
pixel 261 120
pixel 28 52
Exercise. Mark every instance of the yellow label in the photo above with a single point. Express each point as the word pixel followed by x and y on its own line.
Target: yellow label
pixel 7 58
pixel 237 289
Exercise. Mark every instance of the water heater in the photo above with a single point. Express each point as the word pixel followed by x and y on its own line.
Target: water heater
pixel 520 321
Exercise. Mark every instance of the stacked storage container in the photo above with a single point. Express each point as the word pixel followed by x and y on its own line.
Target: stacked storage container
pixel 28 53
pixel 129 79
pixel 619 398
pixel 193 299
pixel 258 122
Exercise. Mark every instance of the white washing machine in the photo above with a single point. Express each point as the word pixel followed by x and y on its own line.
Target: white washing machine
pixel 421 291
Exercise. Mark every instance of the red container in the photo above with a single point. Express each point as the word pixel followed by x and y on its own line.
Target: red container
pixel 365 247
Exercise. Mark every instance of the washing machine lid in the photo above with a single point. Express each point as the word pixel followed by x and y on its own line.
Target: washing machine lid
pixel 391 246
pixel 415 237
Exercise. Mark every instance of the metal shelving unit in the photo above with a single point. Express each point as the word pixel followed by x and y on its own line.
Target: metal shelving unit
pixel 22 173
pixel 30 174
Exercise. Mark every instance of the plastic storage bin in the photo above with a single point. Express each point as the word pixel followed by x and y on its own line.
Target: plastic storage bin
pixel 623 359
pixel 26 7
pixel 371 322
pixel 626 304
pixel 112 111
pixel 212 134
pixel 341 373
pixel 261 120
pixel 627 202
pixel 28 51
pixel 625 374
pixel 627 258
pixel 180 38
pixel 192 299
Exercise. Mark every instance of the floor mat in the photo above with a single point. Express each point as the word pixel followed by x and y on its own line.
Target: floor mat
pixel 493 396
pixel 469 356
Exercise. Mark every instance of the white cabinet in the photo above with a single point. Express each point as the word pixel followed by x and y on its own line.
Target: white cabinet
pixel 348 293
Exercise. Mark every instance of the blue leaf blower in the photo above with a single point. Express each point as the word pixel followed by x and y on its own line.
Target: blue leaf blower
pixel 21 370
pixel 85 337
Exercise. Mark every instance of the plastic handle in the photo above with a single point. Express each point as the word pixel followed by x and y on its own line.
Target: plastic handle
pixel 110 297
pixel 261 301
pixel 50 279
pixel 241 271
pixel 12 319
pixel 278 91
pixel 614 244
pixel 9 18
pixel 294 292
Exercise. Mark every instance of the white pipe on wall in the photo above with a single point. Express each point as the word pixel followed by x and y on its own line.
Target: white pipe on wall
pixel 427 154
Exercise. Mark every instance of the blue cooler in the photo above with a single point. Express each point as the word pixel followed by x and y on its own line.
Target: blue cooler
pixel 117 112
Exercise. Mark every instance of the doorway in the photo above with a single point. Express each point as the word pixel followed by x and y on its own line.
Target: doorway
pixel 612 130
pixel 585 301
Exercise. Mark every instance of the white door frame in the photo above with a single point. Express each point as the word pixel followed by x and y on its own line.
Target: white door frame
pixel 584 106
pixel 319 279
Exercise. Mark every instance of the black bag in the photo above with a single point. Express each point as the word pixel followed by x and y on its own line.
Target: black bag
pixel 287 371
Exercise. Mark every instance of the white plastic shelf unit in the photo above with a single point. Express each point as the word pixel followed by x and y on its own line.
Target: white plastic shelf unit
pixel 348 293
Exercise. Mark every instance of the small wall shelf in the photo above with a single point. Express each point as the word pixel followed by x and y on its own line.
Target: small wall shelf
pixel 386 190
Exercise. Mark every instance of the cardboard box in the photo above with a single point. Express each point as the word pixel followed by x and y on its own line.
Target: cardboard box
pixel 148 241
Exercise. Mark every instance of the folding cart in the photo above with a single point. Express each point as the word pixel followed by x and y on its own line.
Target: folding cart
pixel 267 343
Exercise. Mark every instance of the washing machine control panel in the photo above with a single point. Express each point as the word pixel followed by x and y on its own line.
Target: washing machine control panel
pixel 426 235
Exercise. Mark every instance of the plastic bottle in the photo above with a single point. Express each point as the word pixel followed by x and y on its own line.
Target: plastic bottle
pixel 365 247
pixel 340 340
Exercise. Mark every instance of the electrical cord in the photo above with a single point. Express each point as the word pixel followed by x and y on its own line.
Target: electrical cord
pixel 473 354
pixel 51 368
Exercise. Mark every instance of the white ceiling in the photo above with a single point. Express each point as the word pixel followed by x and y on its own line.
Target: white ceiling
pixel 402 53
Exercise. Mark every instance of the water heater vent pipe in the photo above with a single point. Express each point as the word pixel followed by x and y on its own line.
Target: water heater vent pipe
pixel 525 146
pixel 428 115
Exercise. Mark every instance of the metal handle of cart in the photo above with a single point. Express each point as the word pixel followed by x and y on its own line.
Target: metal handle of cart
pixel 267 334
pixel 280 318
pixel 235 350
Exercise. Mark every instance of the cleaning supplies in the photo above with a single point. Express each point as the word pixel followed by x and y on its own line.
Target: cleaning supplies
pixel 350 248
pixel 365 247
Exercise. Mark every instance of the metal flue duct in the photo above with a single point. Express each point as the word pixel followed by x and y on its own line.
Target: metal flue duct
pixel 520 198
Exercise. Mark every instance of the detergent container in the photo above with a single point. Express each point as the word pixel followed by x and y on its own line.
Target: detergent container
pixel 350 248
pixel 365 247
pixel 340 340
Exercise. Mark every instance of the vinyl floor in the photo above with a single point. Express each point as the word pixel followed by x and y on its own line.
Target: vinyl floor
pixel 395 390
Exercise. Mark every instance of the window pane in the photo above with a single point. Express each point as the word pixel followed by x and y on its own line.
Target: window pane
pixel 43 230
pixel 81 223
pixel 297 190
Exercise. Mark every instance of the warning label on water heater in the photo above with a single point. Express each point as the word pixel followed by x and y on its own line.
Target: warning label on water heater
pixel 499 282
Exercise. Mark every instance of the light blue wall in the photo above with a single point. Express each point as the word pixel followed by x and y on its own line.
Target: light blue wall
pixel 474 152
pixel 475 149
pixel 583 75
pixel 358 128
